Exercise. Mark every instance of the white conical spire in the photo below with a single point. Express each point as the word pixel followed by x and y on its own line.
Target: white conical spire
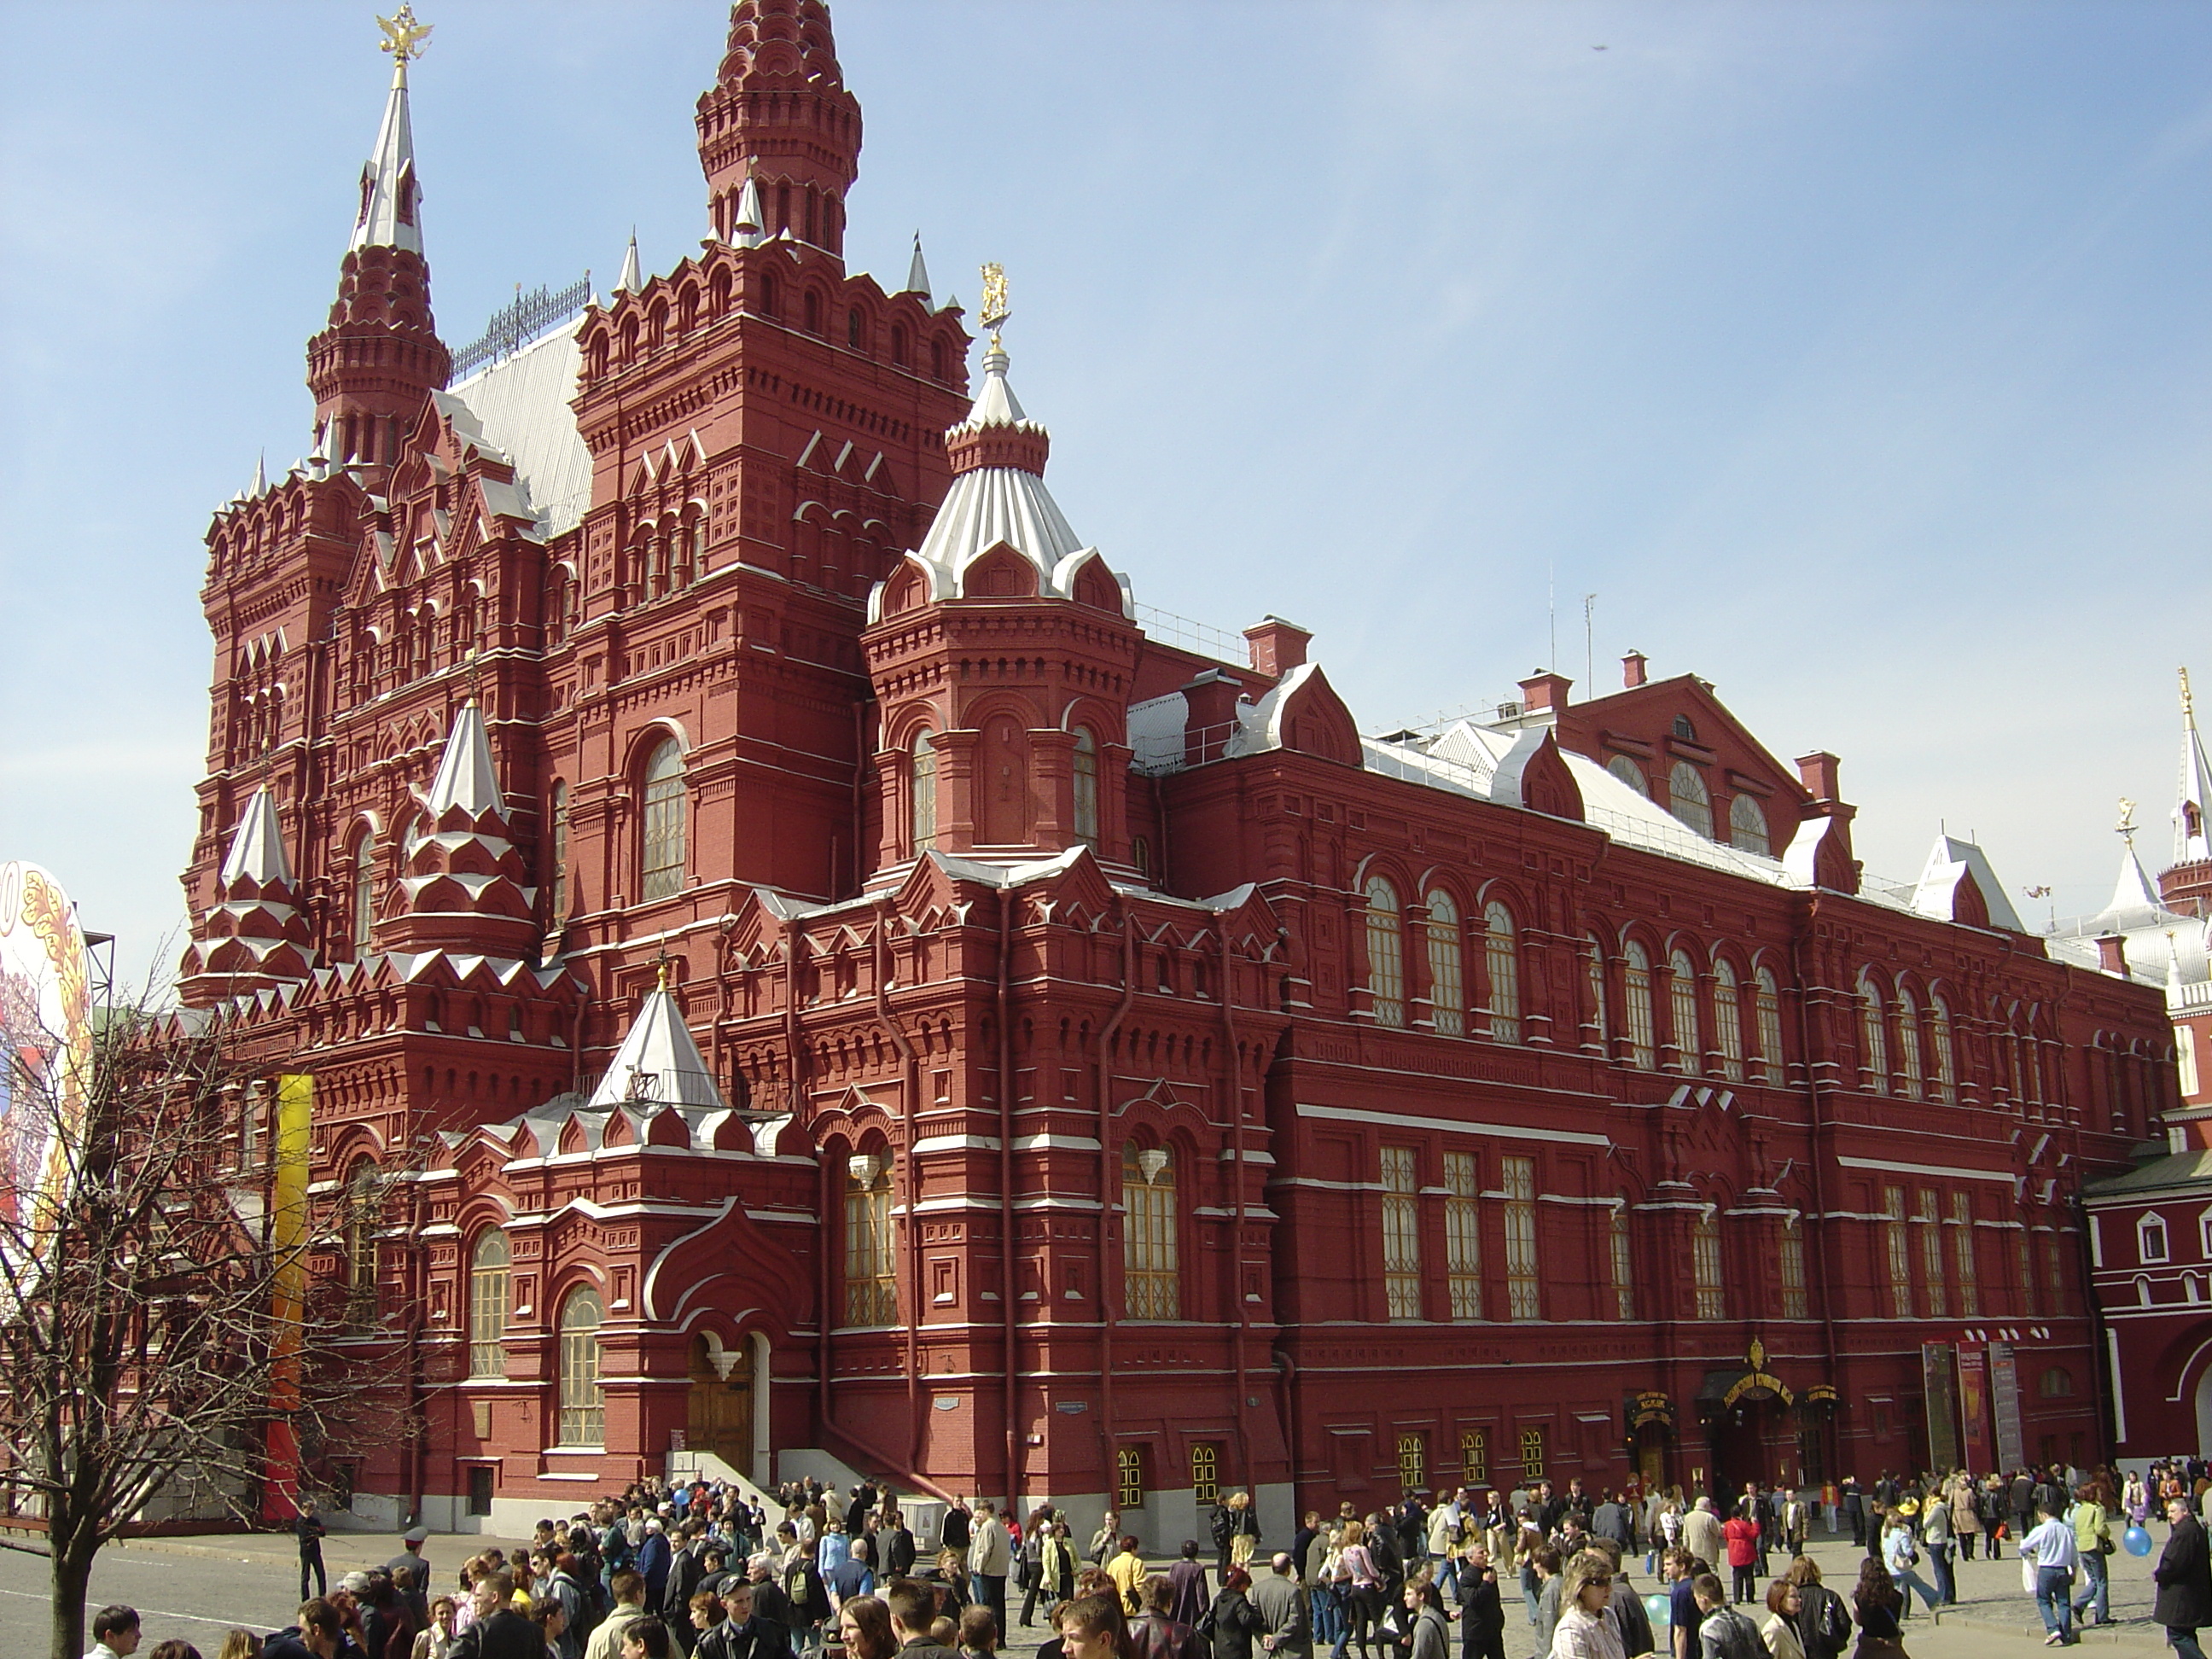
pixel 2133 891
pixel 745 230
pixel 465 778
pixel 917 273
pixel 657 1063
pixel 2192 831
pixel 389 194
pixel 257 845
pixel 630 281
pixel 259 487
pixel 995 404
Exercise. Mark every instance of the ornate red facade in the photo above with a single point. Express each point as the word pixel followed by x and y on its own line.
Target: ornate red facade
pixel 1086 1065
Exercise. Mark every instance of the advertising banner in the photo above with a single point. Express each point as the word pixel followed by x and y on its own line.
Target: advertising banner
pixel 1974 1408
pixel 2004 1404
pixel 1942 1399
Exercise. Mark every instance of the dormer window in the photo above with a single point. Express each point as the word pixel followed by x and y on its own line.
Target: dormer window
pixel 2150 1239
pixel 1684 730
pixel 1748 826
pixel 1688 799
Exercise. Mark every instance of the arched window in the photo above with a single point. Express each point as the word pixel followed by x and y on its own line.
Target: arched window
pixel 1386 960
pixel 1086 786
pixel 1874 1032
pixel 1601 1015
pixel 487 1264
pixel 1682 1011
pixel 1447 983
pixel 2057 1383
pixel 1688 799
pixel 1767 1004
pixel 363 1219
pixel 853 336
pixel 1151 1281
pixel 364 893
pixel 940 360
pixel 557 851
pixel 1748 826
pixel 1636 985
pixel 870 1263
pixel 922 786
pixel 661 863
pixel 1908 1041
pixel 1727 1019
pixel 1938 1037
pixel 1625 768
pixel 1705 1267
pixel 583 1408
pixel 1501 958
pixel 1624 1264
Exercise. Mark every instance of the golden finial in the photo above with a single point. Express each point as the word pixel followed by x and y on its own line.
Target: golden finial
pixel 2125 829
pixel 2188 703
pixel 995 309
pixel 664 973
pixel 404 37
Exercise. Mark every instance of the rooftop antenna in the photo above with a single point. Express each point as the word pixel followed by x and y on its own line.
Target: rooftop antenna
pixel 1589 640
pixel 1551 606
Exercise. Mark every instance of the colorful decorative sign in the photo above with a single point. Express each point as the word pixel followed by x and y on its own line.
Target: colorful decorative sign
pixel 46 1044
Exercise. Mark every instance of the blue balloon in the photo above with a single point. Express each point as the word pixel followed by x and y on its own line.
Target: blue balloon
pixel 2135 1541
pixel 1661 1611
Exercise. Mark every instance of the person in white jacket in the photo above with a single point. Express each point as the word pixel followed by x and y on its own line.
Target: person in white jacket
pixel 990 1558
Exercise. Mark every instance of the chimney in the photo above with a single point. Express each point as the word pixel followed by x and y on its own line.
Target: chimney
pixel 1632 671
pixel 1277 646
pixel 1544 691
pixel 2112 954
pixel 1817 772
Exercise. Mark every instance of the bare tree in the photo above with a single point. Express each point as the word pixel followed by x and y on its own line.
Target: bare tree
pixel 150 1333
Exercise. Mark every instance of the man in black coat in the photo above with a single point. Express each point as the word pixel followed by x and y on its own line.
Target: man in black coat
pixel 499 1632
pixel 1482 1614
pixel 2184 1576
pixel 898 1547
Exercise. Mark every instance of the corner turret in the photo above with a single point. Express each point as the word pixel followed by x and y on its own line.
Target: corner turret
pixel 254 937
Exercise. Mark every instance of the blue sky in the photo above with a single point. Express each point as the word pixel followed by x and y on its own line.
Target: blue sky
pixel 1857 357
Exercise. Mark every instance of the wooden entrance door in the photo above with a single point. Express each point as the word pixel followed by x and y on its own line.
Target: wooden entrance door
pixel 721 1414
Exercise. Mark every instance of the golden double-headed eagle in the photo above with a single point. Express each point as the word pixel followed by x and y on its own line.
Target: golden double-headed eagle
pixel 404 37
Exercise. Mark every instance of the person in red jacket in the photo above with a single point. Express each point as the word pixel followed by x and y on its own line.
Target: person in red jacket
pixel 1742 1533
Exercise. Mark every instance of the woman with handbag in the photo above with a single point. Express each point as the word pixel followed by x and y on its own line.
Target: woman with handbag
pixel 1875 1604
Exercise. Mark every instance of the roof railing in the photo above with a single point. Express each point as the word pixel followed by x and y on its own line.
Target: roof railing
pixel 1203 638
pixel 524 319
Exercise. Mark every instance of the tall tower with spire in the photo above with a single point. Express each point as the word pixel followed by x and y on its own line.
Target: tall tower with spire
pixel 375 364
pixel 2186 886
pixel 778 115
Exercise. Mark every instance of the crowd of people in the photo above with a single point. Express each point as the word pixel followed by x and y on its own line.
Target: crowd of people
pixel 698 1570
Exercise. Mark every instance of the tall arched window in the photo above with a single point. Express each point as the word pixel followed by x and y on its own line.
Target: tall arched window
pixel 1748 826
pixel 1874 1032
pixel 661 863
pixel 1768 1007
pixel 557 849
pixel 1727 1019
pixel 1688 799
pixel 922 786
pixel 1601 1015
pixel 1501 958
pixel 1386 958
pixel 1086 786
pixel 1908 1041
pixel 1631 774
pixel 488 1265
pixel 1447 983
pixel 870 1263
pixel 363 1219
pixel 1682 1011
pixel 1947 1064
pixel 364 893
pixel 583 1407
pixel 1705 1267
pixel 1151 1280
pixel 1635 986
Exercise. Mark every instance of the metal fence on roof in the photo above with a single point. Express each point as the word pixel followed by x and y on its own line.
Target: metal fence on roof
pixel 1202 637
pixel 514 326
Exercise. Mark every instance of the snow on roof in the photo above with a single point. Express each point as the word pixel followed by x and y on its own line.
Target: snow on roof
pixel 519 406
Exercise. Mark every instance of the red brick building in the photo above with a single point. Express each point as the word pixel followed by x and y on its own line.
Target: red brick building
pixel 793 969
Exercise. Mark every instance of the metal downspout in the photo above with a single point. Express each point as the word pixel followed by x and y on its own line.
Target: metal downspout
pixel 1108 1168
pixel 1007 1291
pixel 1816 1164
pixel 910 1091
pixel 1237 1152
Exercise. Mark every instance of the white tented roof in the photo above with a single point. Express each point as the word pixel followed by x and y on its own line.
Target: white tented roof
pixel 519 407
pixel 658 1062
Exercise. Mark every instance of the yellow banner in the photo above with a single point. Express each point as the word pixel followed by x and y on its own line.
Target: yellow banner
pixel 289 1232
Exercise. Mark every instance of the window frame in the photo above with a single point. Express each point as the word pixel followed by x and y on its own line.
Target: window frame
pixel 1698 798
pixel 1447 965
pixel 1386 952
pixel 487 1310
pixel 2147 1224
pixel 1151 1257
pixel 664 822
pixel 581 1419
pixel 1501 960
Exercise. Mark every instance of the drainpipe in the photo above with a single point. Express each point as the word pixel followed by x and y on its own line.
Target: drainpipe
pixel 825 1196
pixel 1006 1292
pixel 1237 1152
pixel 1108 1166
pixel 911 1075
pixel 1820 1182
